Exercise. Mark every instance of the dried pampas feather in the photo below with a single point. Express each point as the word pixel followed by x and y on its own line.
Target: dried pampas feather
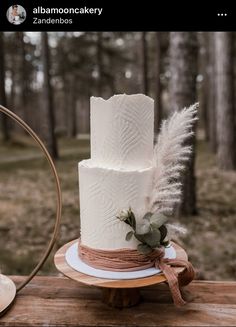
pixel 170 156
pixel 174 229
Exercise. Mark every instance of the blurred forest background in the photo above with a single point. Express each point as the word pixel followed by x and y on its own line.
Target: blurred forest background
pixel 48 78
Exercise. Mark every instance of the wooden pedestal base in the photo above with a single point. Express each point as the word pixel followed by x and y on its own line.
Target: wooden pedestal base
pixel 121 297
pixel 115 293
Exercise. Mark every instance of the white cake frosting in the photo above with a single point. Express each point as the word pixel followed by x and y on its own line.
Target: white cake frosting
pixel 103 194
pixel 122 131
pixel 119 173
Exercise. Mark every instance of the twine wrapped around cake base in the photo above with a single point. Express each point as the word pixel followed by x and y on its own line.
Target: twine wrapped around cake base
pixel 132 260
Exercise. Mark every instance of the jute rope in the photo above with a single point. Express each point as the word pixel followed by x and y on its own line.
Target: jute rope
pixel 132 260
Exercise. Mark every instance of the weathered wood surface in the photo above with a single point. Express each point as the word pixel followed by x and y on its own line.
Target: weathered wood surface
pixel 58 301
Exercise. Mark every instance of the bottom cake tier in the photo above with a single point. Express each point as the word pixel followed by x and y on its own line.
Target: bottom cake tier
pixel 103 194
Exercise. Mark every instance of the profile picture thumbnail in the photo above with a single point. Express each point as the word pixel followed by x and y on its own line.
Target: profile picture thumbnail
pixel 16 14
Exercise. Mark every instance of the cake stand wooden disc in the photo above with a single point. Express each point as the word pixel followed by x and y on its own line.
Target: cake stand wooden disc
pixel 116 293
pixel 7 293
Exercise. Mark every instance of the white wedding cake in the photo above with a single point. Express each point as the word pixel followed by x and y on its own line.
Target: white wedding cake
pixel 120 172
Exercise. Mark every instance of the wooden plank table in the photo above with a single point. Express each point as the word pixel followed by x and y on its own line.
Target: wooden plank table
pixel 58 301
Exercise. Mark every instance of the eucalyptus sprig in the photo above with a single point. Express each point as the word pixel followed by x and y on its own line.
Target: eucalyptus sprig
pixel 152 232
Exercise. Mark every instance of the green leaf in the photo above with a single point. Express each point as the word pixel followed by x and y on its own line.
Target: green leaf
pixel 163 231
pixel 144 248
pixel 158 219
pixel 139 237
pixel 153 238
pixel 129 235
pixel 127 221
pixel 142 229
pixel 132 220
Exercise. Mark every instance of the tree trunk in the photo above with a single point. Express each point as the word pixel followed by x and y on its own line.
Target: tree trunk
pixel 49 128
pixel 3 99
pixel 225 100
pixel 158 104
pixel 204 85
pixel 74 115
pixel 211 105
pixel 183 68
pixel 66 104
pixel 145 86
pixel 99 55
pixel 23 79
pixel 13 82
pixel 72 119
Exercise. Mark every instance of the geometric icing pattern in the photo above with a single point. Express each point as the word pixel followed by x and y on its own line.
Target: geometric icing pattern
pixel 122 131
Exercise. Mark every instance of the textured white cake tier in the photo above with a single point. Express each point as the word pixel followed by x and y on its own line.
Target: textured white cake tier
pixel 103 194
pixel 122 131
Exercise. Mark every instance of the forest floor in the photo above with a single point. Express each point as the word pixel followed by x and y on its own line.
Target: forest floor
pixel 27 209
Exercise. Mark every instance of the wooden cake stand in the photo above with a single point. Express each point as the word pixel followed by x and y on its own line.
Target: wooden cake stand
pixel 115 293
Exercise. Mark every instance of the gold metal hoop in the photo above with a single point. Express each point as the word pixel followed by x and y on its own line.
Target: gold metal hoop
pixel 58 192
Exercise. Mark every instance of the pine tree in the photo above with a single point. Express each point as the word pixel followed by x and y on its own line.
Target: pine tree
pixel 3 99
pixel 225 100
pixel 183 68
pixel 49 126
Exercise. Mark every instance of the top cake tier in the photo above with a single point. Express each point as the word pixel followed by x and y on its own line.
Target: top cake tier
pixel 122 131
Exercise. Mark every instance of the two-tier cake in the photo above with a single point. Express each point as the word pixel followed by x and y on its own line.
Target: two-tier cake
pixel 128 189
